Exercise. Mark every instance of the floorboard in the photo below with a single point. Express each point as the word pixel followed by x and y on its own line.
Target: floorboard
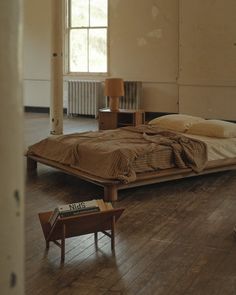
pixel 173 238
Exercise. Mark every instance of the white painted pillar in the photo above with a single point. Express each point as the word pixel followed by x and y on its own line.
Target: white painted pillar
pixel 56 105
pixel 11 150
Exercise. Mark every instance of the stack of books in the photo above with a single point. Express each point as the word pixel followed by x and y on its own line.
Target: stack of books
pixel 73 209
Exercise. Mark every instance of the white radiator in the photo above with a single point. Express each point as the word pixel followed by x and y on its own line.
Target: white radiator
pixel 83 97
pixel 132 97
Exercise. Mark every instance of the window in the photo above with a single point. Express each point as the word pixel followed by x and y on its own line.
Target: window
pixel 87 36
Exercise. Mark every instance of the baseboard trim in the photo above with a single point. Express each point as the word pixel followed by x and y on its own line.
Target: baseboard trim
pixel 29 109
pixel 45 110
pixel 151 115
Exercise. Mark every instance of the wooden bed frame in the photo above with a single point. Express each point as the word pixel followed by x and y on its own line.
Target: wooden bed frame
pixel 111 187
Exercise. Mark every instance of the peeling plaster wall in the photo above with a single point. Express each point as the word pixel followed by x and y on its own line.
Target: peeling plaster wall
pixel 183 51
pixel 144 40
pixel 144 46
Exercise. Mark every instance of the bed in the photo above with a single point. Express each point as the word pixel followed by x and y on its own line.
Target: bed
pixel 169 147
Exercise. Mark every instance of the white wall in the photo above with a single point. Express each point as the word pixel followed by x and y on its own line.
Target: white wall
pixel 183 50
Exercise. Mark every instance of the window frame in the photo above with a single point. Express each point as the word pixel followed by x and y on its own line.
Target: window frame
pixel 68 29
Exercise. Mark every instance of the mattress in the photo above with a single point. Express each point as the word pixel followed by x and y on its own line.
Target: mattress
pixel 217 149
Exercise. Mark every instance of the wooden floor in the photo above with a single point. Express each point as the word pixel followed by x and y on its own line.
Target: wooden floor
pixel 173 238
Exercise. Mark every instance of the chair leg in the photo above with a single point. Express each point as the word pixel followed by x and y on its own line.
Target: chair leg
pixel 96 237
pixel 63 243
pixel 47 244
pixel 113 233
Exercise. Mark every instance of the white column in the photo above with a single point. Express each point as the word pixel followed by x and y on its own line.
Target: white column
pixel 56 105
pixel 11 150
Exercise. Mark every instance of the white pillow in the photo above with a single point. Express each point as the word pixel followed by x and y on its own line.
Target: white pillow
pixel 176 122
pixel 214 128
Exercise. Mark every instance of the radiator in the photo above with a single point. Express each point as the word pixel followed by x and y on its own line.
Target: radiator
pixel 132 97
pixel 83 97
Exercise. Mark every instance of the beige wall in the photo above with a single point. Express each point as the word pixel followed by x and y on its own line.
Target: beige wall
pixel 183 50
pixel 12 165
pixel 144 46
pixel 208 101
pixel 208 58
pixel 37 42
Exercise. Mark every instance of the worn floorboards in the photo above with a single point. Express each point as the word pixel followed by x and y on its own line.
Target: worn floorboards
pixel 173 238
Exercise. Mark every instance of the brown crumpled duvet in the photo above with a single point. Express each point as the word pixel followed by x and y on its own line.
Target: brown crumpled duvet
pixel 110 154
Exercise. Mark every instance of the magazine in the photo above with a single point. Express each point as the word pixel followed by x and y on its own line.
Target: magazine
pixel 73 209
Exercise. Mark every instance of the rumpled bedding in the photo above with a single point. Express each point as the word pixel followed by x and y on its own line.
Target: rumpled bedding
pixel 111 154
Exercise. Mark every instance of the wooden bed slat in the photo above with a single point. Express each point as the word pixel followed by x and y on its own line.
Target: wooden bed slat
pixel 111 187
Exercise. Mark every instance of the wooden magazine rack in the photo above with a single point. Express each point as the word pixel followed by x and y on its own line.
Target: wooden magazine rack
pixel 83 224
